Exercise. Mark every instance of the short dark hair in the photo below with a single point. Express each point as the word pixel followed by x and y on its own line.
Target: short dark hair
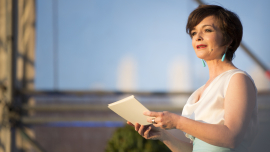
pixel 229 24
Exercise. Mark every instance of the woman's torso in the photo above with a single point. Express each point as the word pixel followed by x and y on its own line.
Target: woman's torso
pixel 206 105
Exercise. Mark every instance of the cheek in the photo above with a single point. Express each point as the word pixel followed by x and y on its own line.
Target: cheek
pixel 218 41
pixel 193 45
pixel 212 42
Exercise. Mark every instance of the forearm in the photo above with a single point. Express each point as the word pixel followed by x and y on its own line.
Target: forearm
pixel 176 145
pixel 219 135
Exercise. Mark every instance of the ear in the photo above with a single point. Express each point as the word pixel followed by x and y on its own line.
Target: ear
pixel 229 44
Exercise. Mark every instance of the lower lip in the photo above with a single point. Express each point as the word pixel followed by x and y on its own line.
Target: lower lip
pixel 201 47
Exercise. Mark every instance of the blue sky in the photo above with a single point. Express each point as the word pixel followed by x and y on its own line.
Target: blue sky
pixel 136 45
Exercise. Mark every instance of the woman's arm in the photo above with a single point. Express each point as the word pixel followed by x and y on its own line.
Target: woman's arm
pixel 176 145
pixel 239 103
pixel 151 132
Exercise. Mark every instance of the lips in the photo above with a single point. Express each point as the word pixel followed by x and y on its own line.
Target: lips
pixel 201 46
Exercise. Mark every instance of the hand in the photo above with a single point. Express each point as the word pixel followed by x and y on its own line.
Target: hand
pixel 149 131
pixel 164 120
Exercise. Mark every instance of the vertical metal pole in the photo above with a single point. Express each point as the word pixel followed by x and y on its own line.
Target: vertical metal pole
pixel 10 56
pixel 9 75
pixel 12 60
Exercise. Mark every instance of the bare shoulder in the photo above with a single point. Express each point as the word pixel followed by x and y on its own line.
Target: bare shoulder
pixel 241 87
pixel 241 81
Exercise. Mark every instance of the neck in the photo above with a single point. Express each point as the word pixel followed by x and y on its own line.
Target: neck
pixel 216 67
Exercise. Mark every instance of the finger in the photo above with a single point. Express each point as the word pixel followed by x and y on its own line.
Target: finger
pixel 157 120
pixel 149 120
pixel 156 125
pixel 141 130
pixel 151 113
pixel 146 133
pixel 129 123
pixel 137 126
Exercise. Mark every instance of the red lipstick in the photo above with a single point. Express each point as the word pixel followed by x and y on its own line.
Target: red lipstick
pixel 201 46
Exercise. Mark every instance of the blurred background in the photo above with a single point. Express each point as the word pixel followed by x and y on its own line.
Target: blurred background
pixel 63 61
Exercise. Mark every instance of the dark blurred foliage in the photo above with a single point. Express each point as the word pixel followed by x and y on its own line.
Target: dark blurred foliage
pixel 126 139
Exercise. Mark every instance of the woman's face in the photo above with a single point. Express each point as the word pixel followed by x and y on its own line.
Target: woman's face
pixel 207 39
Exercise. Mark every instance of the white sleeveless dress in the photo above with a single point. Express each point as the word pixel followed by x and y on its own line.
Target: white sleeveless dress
pixel 210 109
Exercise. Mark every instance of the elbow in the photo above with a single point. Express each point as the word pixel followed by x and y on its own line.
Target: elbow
pixel 233 139
pixel 233 143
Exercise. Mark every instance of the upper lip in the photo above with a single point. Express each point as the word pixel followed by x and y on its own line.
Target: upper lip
pixel 201 45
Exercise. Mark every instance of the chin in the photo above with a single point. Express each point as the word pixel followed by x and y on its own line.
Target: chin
pixel 200 57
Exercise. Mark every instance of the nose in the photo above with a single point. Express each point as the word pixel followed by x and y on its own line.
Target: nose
pixel 198 37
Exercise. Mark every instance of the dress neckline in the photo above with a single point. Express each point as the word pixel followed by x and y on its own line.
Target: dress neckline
pixel 207 89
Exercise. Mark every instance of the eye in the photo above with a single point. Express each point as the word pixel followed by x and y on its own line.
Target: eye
pixel 193 33
pixel 208 30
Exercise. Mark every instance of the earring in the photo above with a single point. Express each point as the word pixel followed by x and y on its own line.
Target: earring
pixel 223 57
pixel 203 63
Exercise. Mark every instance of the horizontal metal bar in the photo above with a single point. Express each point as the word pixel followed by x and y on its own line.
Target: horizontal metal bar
pixel 103 93
pixel 50 119
pixel 86 124
pixel 264 92
pixel 83 93
pixel 44 120
pixel 264 107
pixel 70 108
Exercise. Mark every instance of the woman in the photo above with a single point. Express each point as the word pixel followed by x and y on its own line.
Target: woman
pixel 220 116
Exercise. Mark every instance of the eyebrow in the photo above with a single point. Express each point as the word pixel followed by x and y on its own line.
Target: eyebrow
pixel 202 26
pixel 206 25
